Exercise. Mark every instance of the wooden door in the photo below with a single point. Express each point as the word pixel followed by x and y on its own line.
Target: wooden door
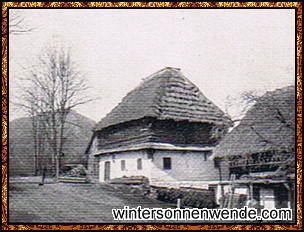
pixel 107 171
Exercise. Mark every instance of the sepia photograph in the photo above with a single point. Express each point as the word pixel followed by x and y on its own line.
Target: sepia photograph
pixel 152 116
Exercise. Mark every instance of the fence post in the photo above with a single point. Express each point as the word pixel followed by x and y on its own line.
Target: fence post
pixel 178 202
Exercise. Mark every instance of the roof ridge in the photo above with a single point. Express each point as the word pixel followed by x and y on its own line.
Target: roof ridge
pixel 150 77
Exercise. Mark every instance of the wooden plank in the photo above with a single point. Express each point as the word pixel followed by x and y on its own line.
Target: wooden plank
pixel 68 179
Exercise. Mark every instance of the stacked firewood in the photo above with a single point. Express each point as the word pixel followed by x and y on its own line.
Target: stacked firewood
pixel 79 171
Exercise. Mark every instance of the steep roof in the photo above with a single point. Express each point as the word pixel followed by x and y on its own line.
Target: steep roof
pixel 269 125
pixel 166 94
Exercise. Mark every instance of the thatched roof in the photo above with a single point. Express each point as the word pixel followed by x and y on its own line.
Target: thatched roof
pixel 269 125
pixel 167 94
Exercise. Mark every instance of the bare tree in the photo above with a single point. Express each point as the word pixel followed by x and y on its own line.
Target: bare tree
pixel 56 87
pixel 17 23
pixel 229 103
pixel 29 95
pixel 236 108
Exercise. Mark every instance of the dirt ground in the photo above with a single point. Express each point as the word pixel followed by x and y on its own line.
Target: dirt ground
pixel 57 203
pixel 70 203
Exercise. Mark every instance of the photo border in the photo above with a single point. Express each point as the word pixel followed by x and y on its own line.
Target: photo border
pixel 214 5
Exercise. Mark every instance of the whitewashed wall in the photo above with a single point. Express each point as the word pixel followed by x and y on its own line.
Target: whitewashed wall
pixel 186 166
pixel 130 158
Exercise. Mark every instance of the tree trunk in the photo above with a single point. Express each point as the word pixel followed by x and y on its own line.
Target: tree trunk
pixel 57 166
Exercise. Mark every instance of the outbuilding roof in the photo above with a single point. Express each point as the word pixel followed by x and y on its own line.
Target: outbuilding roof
pixel 269 125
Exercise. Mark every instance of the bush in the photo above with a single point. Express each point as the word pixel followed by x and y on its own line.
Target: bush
pixel 189 197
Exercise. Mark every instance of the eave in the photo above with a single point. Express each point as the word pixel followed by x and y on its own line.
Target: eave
pixel 156 146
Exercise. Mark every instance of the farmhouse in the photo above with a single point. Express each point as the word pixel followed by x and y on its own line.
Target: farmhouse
pixel 165 130
pixel 259 153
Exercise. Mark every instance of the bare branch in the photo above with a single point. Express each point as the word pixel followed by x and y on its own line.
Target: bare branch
pixel 55 88
pixel 18 24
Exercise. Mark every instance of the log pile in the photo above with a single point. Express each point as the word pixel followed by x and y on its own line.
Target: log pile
pixel 75 175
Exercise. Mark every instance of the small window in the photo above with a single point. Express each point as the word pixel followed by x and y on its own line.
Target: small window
pixel 139 164
pixel 123 165
pixel 167 163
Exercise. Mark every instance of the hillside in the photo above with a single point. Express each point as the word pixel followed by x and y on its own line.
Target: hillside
pixel 21 144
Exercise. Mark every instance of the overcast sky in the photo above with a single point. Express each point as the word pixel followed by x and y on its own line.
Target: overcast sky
pixel 223 51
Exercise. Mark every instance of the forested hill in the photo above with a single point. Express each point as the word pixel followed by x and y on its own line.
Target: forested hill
pixel 21 144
